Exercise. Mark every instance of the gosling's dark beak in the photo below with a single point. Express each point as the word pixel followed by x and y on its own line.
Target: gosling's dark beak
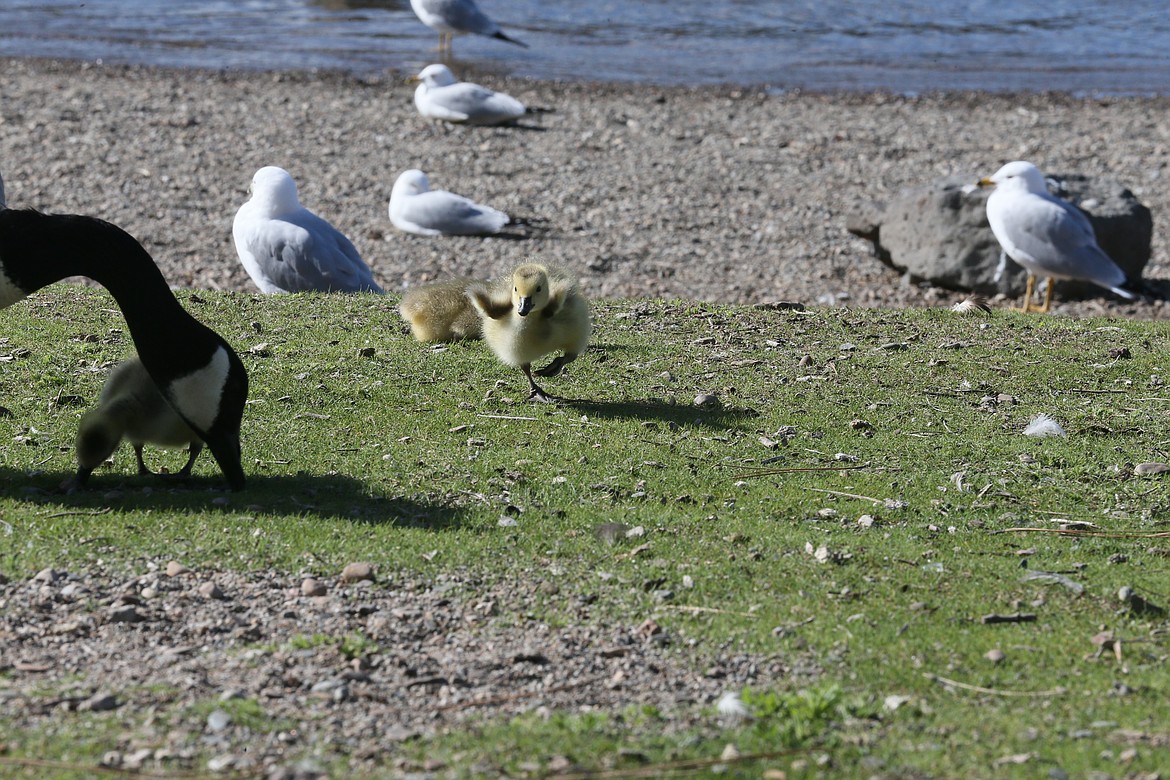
pixel 524 307
pixel 985 182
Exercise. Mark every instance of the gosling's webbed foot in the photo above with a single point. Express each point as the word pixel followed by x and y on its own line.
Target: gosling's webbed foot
pixel 538 393
pixel 554 368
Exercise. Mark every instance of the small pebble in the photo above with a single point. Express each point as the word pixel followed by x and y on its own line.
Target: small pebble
pixel 312 587
pixel 357 571
pixel 707 401
pixel 209 590
pixel 175 569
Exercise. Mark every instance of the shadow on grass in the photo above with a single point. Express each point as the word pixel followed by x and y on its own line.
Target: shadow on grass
pixel 333 497
pixel 663 411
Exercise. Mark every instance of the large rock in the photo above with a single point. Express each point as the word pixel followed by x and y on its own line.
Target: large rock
pixel 939 233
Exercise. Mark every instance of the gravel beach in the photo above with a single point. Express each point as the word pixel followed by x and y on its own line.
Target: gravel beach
pixel 720 194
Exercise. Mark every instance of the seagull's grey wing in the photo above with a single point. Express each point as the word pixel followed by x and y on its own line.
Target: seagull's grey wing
pixel 481 104
pixel 453 215
pixel 464 15
pixel 328 261
pixel 1058 237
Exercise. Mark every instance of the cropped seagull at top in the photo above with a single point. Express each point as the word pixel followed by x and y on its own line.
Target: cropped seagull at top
pixel 457 17
pixel 286 248
pixel 1046 235
pixel 197 372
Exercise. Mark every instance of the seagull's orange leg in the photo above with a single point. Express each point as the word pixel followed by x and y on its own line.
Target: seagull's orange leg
pixel 1027 307
pixel 1048 294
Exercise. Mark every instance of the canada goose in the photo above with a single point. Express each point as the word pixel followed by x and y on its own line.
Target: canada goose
pixel 441 311
pixel 286 248
pixel 531 313
pixel 441 96
pixel 130 407
pixel 1046 235
pixel 457 17
pixel 416 208
pixel 197 372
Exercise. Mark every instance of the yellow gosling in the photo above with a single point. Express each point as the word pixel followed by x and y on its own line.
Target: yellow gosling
pixel 130 407
pixel 441 311
pixel 532 312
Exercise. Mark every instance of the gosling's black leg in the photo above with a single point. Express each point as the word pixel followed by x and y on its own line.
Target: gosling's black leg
pixel 554 368
pixel 193 453
pixel 142 469
pixel 537 393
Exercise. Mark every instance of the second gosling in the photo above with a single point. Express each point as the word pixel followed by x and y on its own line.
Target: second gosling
pixel 531 313
pixel 130 407
pixel 441 311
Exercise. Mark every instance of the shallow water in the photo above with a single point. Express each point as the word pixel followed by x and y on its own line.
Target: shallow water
pixel 906 46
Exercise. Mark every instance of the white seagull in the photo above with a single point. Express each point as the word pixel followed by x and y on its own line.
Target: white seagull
pixel 416 208
pixel 441 96
pixel 286 248
pixel 457 17
pixel 1046 235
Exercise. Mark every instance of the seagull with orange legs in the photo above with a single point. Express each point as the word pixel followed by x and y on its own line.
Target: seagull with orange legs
pixel 1048 236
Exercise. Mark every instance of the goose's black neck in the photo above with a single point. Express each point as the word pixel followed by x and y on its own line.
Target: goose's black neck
pixel 39 249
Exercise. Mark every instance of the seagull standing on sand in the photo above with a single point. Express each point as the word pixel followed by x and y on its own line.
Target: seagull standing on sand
pixel 457 17
pixel 441 96
pixel 1046 235
pixel 416 208
pixel 286 248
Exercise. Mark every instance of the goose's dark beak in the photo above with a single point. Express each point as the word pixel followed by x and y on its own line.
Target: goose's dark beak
pixel 524 307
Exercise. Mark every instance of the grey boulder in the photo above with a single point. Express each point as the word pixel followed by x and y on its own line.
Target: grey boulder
pixel 939 233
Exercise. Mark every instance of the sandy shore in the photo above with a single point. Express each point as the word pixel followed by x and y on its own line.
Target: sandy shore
pixel 717 194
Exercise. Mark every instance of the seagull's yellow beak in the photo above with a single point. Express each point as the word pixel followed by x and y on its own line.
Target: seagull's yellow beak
pixel 985 182
pixel 413 79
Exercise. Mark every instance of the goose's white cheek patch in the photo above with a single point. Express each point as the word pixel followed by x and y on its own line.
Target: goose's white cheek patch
pixel 197 395
pixel 9 292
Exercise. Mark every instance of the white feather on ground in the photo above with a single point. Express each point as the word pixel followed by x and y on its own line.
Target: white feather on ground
pixel 286 248
pixel 441 96
pixel 1043 425
pixel 416 208
pixel 731 706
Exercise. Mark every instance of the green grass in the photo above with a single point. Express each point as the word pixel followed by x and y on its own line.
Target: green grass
pixel 361 444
